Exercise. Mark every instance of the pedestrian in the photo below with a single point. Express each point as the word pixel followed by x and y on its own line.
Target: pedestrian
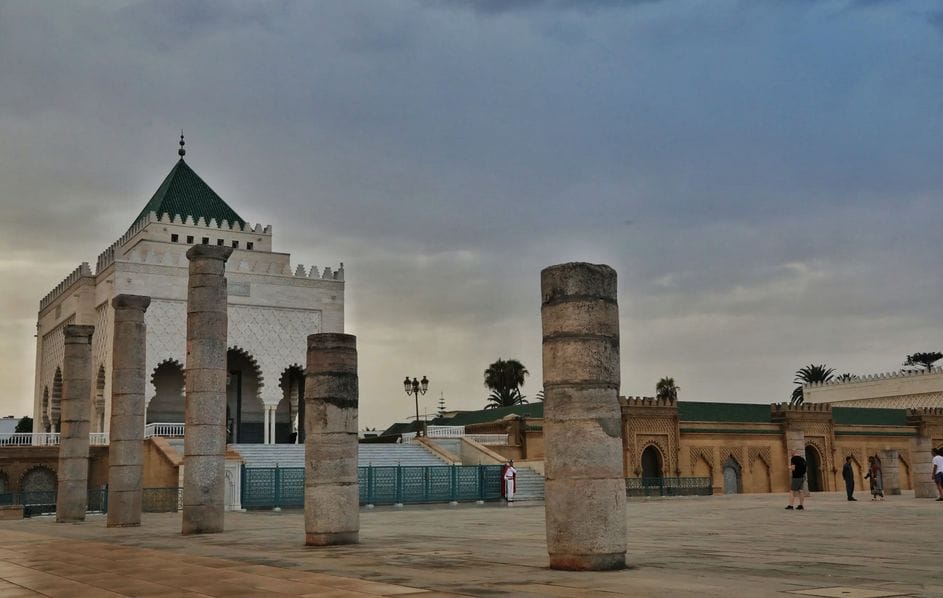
pixel 938 472
pixel 875 478
pixel 848 474
pixel 797 470
pixel 510 481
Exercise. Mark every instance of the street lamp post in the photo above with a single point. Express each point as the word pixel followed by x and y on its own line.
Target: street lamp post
pixel 415 388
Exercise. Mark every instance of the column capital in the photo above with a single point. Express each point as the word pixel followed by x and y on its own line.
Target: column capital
pixel 209 252
pixel 77 333
pixel 136 302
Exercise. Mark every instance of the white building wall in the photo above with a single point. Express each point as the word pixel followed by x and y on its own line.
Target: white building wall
pixel 272 307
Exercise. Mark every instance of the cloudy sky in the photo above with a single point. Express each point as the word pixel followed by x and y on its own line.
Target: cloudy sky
pixel 764 175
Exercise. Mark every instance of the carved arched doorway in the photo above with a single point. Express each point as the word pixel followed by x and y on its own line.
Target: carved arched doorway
pixel 55 406
pixel 245 412
pixel 651 462
pixel 167 404
pixel 99 402
pixel 733 483
pixel 290 416
pixel 813 462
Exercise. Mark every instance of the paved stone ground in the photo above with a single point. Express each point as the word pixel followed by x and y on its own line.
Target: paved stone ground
pixel 704 546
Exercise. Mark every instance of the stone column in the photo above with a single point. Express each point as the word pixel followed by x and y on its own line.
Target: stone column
pixel 128 380
pixel 890 471
pixel 204 444
pixel 585 485
pixel 332 493
pixel 72 497
pixel 921 465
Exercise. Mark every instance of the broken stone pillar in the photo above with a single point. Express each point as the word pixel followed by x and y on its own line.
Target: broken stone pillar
pixel 921 466
pixel 585 485
pixel 332 493
pixel 890 471
pixel 128 380
pixel 204 443
pixel 795 441
pixel 72 496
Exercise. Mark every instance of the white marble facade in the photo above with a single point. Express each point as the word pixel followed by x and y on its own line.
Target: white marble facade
pixel 273 307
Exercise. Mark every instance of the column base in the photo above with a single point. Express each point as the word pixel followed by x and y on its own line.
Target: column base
pixel 332 539
pixel 588 562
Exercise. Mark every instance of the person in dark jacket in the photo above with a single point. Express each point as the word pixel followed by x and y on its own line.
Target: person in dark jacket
pixel 848 474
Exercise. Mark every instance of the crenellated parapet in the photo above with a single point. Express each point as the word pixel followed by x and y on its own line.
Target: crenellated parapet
pixel 647 402
pixel 929 421
pixel 874 377
pixel 108 256
pixel 82 271
pixel 784 411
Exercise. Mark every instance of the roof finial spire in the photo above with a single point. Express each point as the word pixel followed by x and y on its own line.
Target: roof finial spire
pixel 182 152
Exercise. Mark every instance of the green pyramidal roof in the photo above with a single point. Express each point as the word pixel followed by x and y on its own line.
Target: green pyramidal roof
pixel 184 192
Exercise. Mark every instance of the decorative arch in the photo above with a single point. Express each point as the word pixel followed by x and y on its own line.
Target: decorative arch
pixel 38 479
pixel 167 405
pixel 814 466
pixel 733 476
pixel 291 408
pixel 246 413
pixel 903 471
pixel 99 402
pixel 705 454
pixel 55 405
pixel 44 421
pixel 652 461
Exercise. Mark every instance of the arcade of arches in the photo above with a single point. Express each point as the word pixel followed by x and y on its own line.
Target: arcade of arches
pixel 246 413
pixel 742 448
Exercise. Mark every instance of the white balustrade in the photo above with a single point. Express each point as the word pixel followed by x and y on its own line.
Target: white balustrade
pixel 29 439
pixel 489 439
pixel 98 439
pixel 445 431
pixel 164 429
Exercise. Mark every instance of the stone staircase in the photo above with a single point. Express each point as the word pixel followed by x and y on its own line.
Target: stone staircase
pixel 530 485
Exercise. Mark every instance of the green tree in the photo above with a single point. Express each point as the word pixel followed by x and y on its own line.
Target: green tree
pixel 807 375
pixel 667 389
pixel 505 378
pixel 925 359
pixel 25 425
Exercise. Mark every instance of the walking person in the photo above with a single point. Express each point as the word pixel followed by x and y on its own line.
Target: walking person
pixel 797 470
pixel 510 481
pixel 875 478
pixel 937 472
pixel 848 474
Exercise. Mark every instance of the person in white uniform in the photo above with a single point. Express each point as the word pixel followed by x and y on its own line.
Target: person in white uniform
pixel 510 481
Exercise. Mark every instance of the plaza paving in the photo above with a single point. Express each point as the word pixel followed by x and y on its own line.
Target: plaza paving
pixel 744 545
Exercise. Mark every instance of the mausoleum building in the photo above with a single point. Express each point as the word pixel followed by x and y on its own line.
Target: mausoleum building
pixel 273 306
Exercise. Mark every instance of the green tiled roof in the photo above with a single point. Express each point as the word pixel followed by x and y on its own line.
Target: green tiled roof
pixel 184 192
pixel 723 412
pixel 466 418
pixel 399 428
pixel 867 416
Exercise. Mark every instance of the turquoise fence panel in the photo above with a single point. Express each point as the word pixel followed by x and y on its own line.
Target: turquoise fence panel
pixel 668 486
pixel 284 487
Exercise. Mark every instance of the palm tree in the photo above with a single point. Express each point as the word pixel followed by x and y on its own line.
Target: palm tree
pixel 925 359
pixel 807 375
pixel 505 378
pixel 666 389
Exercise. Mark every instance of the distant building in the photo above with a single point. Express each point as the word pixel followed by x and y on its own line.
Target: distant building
pixel 895 390
pixel 273 307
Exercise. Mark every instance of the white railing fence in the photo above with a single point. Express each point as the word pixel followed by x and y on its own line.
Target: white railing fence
pixel 165 430
pixel 445 431
pixel 489 439
pixel 94 439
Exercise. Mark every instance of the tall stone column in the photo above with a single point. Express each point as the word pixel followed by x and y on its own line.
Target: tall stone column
pixel 72 496
pixel 890 471
pixel 332 493
pixel 128 380
pixel 204 445
pixel 921 466
pixel 585 485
